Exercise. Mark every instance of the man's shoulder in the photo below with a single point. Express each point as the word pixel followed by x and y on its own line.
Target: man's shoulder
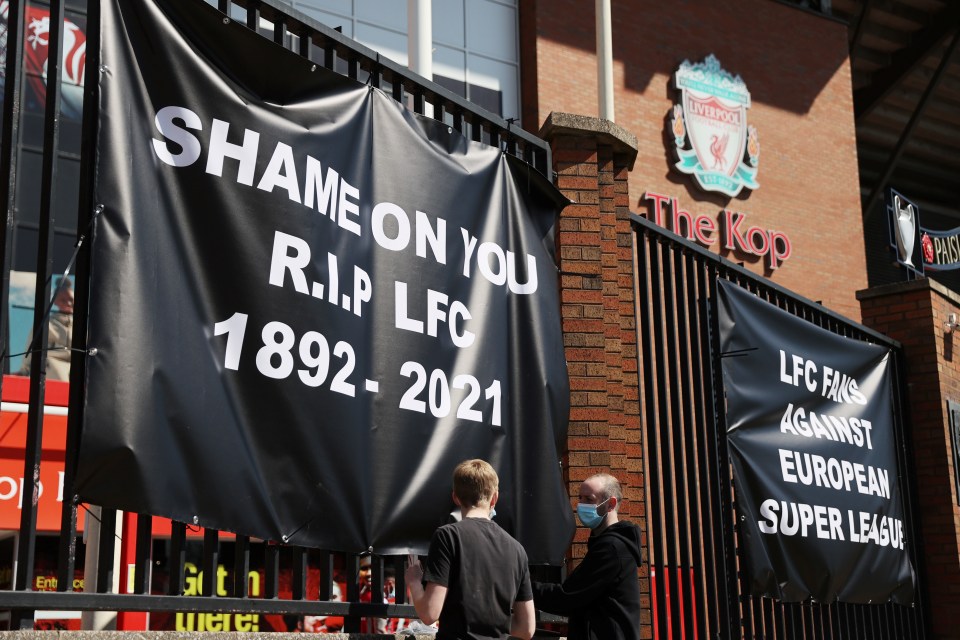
pixel 617 539
pixel 622 532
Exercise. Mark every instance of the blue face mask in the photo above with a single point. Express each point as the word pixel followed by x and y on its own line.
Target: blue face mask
pixel 587 513
pixel 493 512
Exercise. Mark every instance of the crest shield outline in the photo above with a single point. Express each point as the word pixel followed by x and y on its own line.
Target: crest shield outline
pixel 724 150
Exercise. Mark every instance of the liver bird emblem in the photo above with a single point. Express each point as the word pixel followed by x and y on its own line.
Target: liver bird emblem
pixel 718 145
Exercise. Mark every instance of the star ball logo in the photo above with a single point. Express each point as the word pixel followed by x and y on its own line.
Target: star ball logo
pixel 724 150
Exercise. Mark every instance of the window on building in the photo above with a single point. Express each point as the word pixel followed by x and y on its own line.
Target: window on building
pixel 476 54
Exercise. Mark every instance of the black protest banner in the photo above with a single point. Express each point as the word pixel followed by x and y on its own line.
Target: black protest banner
pixel 310 304
pixel 810 430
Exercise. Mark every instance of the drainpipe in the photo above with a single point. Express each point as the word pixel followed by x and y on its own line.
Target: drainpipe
pixel 604 59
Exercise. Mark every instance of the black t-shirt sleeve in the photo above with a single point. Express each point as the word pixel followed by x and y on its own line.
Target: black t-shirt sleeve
pixel 439 558
pixel 525 592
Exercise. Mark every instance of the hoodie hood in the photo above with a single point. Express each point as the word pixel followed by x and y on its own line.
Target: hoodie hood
pixel 628 533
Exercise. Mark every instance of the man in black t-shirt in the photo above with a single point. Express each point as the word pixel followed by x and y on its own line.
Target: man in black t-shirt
pixel 475 572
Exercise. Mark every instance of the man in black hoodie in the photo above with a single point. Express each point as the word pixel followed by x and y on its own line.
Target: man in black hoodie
pixel 601 597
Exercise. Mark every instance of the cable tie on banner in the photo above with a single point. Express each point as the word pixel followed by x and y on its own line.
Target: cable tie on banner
pixel 737 353
pixel 49 349
pixel 285 538
pixel 503 143
pixel 97 210
pixel 99 521
pixel 375 70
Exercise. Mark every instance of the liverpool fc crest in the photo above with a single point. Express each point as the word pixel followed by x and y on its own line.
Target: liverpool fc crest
pixel 724 150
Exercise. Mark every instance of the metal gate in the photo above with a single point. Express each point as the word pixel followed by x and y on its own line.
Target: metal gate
pixel 203 574
pixel 696 590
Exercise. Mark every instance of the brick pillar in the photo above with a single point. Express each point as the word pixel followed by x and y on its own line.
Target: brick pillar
pixel 914 314
pixel 592 159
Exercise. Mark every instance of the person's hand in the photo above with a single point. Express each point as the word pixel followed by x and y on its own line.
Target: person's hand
pixel 414 571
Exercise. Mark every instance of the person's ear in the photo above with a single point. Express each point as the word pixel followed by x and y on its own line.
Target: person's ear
pixel 456 500
pixel 494 498
pixel 612 504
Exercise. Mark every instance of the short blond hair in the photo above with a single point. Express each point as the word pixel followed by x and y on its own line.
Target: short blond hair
pixel 474 482
pixel 609 487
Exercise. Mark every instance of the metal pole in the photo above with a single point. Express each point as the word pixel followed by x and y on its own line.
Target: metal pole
pixel 604 60
pixel 32 445
pixel 9 149
pixel 420 38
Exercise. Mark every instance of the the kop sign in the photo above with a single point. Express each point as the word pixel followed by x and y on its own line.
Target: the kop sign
pixel 714 143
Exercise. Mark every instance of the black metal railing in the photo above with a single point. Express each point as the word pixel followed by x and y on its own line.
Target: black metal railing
pixel 696 588
pixel 330 48
pixel 282 572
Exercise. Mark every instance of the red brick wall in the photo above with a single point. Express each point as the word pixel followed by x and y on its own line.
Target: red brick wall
pixel 914 314
pixel 796 67
pixel 596 270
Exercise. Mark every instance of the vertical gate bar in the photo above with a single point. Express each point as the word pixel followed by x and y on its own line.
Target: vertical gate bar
pixel 271 559
pixel 692 408
pixel 679 421
pixel 253 15
pixel 211 559
pixel 476 130
pixel 766 612
pixel 26 545
pixel 279 31
pixel 326 576
pixel 299 573
pixel 850 619
pixel 144 554
pixel 781 621
pixel 9 149
pixel 397 86
pixel 78 372
pixel 660 294
pixel 241 567
pixel 700 346
pixel 376 588
pixel 849 616
pixel 909 496
pixel 809 621
pixel 178 558
pixel 641 268
pixel 789 628
pixel 376 74
pixel 306 40
pixel 754 614
pixel 329 56
pixel 400 588
pixel 821 622
pixel 662 291
pixel 351 624
pixel 376 579
pixel 108 539
pixel 836 621
pixel 652 383
pixel 723 514
pixel 418 102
